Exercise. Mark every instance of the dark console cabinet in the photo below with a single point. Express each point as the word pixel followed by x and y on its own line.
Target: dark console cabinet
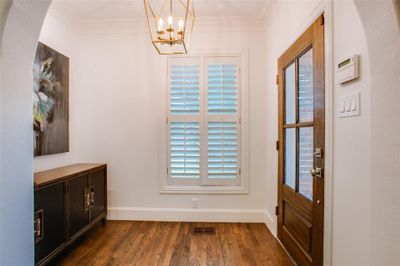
pixel 49 219
pixel 68 202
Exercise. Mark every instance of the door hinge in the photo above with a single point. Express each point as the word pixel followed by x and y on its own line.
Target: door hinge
pixel 277 145
pixel 240 171
pixel 167 121
pixel 276 210
pixel 167 171
pixel 323 19
pixel 277 79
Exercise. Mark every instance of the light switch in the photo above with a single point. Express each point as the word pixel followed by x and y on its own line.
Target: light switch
pixel 342 105
pixel 353 104
pixel 349 105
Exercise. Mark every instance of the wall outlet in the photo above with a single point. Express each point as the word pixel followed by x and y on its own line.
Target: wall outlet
pixel 195 203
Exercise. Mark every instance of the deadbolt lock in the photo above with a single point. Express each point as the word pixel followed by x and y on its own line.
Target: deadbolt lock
pixel 319 153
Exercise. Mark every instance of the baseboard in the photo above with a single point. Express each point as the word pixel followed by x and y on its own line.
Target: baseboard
pixel 270 223
pixel 187 215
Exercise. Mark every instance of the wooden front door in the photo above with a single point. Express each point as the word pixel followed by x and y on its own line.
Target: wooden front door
pixel 301 146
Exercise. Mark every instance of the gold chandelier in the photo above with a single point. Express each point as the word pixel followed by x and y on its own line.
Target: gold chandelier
pixel 175 37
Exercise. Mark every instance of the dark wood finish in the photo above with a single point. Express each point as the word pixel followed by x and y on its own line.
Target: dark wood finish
pixel 300 220
pixel 61 204
pixel 50 202
pixel 172 243
pixel 77 214
pixel 97 181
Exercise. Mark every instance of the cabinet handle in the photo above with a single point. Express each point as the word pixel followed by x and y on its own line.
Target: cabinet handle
pixel 38 225
pixel 92 198
pixel 86 200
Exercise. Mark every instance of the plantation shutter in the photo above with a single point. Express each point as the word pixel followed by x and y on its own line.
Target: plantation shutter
pixel 185 149
pixel 222 150
pixel 184 119
pixel 222 120
pixel 185 89
pixel 204 121
pixel 222 89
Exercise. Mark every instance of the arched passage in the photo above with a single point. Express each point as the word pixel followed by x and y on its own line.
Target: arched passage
pixel 19 40
pixel 382 32
pixel 20 34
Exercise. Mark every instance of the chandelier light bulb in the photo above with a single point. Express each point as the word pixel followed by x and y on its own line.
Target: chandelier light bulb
pixel 170 21
pixel 160 24
pixel 181 25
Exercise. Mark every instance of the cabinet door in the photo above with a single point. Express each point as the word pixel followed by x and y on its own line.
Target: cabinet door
pixel 98 188
pixel 49 220
pixel 78 214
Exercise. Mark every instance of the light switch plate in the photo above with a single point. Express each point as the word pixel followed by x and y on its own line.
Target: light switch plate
pixel 349 105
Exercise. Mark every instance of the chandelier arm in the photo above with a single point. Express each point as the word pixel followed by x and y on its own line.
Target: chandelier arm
pixel 191 32
pixel 186 16
pixel 186 7
pixel 146 4
pixel 162 8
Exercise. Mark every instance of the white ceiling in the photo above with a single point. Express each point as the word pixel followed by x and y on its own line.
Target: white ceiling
pixel 103 10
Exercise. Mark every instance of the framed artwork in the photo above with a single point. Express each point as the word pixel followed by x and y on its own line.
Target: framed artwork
pixel 50 101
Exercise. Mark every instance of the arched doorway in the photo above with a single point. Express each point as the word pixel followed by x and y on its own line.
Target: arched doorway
pixel 19 40
pixel 20 35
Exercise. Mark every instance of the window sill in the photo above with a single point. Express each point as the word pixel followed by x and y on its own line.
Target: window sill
pixel 203 190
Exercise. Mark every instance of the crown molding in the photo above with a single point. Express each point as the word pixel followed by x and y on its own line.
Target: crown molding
pixel 137 26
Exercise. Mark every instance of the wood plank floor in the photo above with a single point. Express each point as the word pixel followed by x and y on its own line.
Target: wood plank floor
pixel 167 243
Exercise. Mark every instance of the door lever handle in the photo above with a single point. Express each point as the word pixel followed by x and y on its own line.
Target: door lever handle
pixel 317 172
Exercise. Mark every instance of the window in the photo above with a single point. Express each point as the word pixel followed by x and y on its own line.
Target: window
pixel 204 121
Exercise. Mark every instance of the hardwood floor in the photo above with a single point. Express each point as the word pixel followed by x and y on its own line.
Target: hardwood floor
pixel 167 243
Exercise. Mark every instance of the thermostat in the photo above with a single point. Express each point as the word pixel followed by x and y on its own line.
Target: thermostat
pixel 347 70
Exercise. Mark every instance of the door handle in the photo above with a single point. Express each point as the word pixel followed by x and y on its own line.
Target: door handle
pixel 317 172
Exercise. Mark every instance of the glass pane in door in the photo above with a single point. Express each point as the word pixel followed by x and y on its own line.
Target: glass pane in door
pixel 290 157
pixel 306 161
pixel 290 94
pixel 306 94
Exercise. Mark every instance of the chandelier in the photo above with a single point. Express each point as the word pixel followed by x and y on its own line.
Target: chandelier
pixel 170 24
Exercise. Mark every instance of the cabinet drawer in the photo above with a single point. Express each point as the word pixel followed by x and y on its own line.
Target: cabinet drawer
pixel 49 220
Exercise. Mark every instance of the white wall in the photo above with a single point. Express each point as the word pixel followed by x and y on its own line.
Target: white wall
pixel 117 108
pixel 351 136
pixel 352 147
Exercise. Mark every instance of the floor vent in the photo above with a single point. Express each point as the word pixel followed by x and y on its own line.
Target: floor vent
pixel 204 230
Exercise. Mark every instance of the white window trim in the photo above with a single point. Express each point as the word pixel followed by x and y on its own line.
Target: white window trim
pixel 170 188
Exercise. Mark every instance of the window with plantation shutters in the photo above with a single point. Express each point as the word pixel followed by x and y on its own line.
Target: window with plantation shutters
pixel 204 121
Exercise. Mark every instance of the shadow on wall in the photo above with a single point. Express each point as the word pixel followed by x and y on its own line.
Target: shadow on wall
pixel 396 4
pixel 5 6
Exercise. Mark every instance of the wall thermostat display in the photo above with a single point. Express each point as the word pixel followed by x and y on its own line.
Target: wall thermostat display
pixel 347 70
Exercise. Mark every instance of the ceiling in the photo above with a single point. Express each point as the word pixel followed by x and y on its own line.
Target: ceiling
pixel 111 10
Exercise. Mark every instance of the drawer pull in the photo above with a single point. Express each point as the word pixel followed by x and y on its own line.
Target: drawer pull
pixel 38 225
pixel 89 198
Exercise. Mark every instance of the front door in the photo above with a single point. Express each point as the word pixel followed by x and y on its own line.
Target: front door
pixel 301 146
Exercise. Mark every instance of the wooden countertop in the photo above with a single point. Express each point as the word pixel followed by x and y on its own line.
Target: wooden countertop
pixel 51 176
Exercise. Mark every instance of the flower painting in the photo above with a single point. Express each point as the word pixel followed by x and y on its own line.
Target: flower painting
pixel 50 101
